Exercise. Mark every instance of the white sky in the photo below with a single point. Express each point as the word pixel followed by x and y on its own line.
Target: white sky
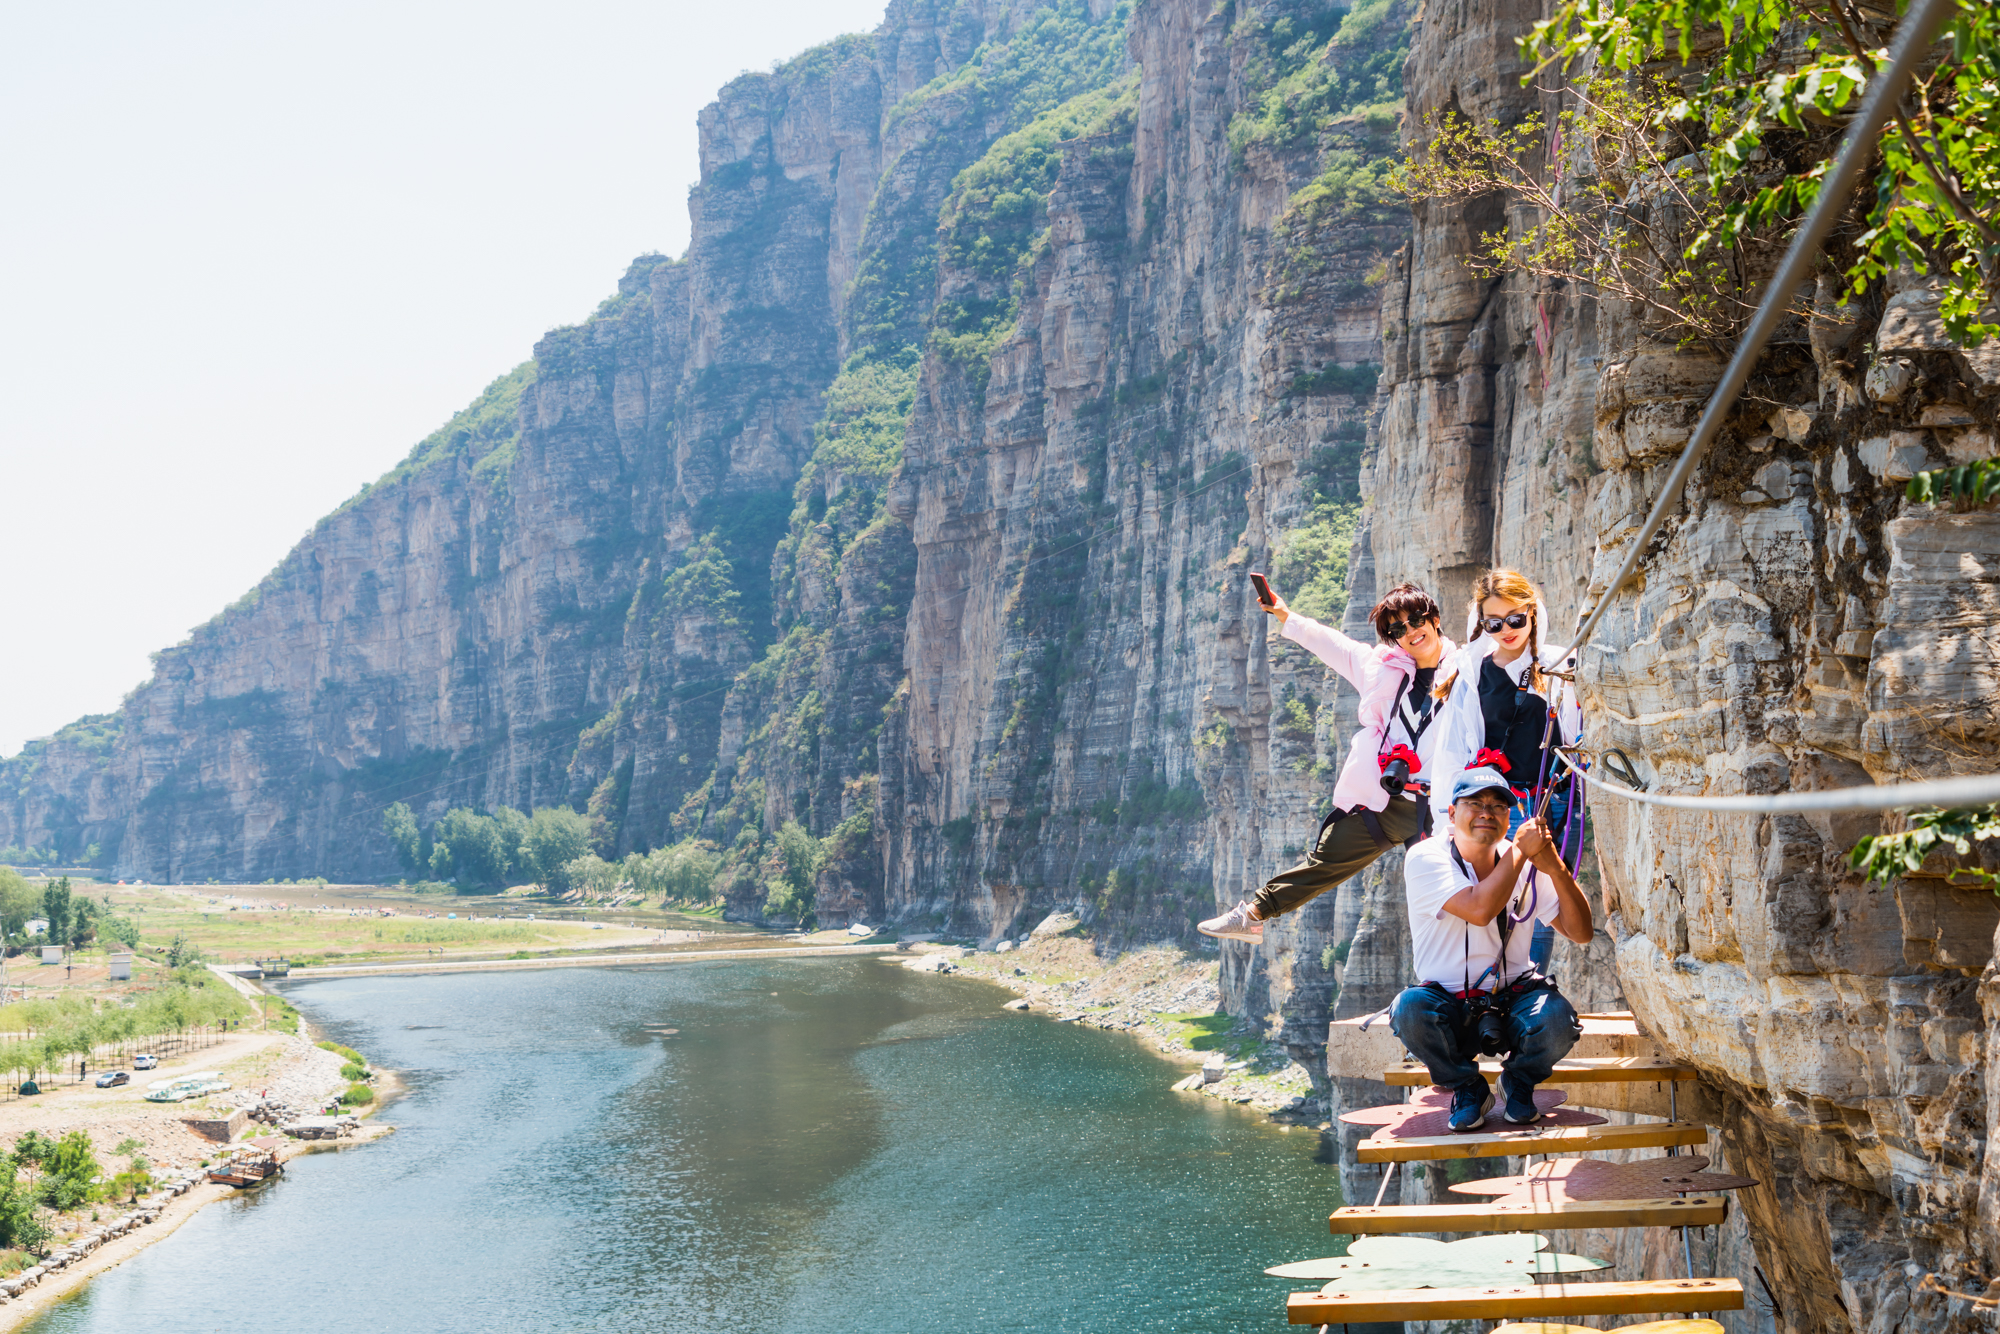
pixel 250 253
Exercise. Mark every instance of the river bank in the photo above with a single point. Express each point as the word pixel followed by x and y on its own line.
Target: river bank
pixel 1162 994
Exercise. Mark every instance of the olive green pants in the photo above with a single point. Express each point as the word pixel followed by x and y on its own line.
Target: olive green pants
pixel 1346 847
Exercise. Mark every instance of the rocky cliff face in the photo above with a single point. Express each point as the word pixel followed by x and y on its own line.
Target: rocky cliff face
pixel 914 504
pixel 1799 626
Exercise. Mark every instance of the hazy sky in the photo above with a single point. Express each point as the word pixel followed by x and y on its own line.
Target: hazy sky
pixel 251 253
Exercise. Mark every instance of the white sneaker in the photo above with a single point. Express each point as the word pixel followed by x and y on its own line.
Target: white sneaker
pixel 1236 924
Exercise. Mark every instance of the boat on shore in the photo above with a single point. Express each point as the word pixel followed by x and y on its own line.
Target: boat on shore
pixel 251 1166
pixel 186 1086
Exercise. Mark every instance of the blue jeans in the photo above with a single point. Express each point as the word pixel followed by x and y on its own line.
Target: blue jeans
pixel 1437 1028
pixel 1544 944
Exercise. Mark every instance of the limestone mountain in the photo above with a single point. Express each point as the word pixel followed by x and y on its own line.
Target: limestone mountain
pixel 912 507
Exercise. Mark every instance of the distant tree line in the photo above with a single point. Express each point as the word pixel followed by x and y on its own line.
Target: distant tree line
pixel 474 852
pixel 62 1034
pixel 477 852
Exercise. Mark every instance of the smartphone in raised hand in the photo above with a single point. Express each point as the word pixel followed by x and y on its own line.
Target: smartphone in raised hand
pixel 1263 587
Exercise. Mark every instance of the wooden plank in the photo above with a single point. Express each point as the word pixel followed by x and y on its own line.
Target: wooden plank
pixel 1577 1070
pixel 1664 1211
pixel 1530 1139
pixel 1529 1299
pixel 1357 1053
pixel 1650 1327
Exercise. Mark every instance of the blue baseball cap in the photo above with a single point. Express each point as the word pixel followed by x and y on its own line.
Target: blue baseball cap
pixel 1484 778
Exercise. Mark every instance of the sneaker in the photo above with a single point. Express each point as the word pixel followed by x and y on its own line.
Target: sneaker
pixel 1236 924
pixel 1469 1105
pixel 1520 1108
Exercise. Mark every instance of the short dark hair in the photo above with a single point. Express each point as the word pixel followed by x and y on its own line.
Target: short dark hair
pixel 1407 603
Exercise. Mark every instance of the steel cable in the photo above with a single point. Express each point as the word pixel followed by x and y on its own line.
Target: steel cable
pixel 1977 790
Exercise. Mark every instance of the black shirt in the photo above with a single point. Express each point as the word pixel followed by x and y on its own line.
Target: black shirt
pixel 1515 717
pixel 1416 703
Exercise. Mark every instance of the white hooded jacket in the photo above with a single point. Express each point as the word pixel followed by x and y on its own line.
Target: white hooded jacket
pixel 1461 728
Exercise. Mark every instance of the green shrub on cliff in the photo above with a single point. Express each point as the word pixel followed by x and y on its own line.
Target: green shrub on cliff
pixel 1312 562
pixel 1314 69
pixel 1057 53
pixel 867 407
pixel 488 427
pixel 1884 857
pixel 996 214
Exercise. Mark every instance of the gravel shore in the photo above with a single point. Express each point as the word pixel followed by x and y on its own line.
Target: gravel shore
pixel 1161 994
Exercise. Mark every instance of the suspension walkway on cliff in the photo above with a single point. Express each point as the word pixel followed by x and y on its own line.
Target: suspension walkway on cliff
pixel 1503 1270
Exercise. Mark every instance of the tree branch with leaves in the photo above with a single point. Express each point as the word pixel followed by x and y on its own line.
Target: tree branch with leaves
pixel 1629 226
pixel 1884 857
pixel 1803 66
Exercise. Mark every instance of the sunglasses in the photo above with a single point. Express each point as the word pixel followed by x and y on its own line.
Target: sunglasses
pixel 1513 620
pixel 1397 629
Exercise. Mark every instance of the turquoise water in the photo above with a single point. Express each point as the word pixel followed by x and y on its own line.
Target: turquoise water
pixel 829 1145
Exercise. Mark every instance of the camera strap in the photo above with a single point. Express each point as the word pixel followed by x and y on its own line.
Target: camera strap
pixel 1498 968
pixel 1415 723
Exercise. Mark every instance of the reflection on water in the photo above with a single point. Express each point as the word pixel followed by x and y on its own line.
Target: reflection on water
pixel 828 1145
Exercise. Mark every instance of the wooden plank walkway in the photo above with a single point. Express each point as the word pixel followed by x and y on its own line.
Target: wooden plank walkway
pixel 1650 1327
pixel 1570 1070
pixel 1530 1139
pixel 1500 1301
pixel 1665 1211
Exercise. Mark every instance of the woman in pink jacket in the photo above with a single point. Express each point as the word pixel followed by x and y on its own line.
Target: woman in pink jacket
pixel 1379 800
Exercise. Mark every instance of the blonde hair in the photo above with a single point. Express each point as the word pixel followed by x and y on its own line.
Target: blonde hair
pixel 1515 587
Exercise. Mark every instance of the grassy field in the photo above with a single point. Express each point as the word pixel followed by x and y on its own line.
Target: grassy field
pixel 309 925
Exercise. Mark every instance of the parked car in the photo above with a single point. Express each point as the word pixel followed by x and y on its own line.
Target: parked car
pixel 145 1062
pixel 111 1079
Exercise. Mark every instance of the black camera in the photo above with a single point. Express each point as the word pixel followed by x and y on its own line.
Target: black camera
pixel 1395 777
pixel 1489 1029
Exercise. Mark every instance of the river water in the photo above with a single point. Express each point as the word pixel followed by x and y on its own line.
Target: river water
pixel 838 1146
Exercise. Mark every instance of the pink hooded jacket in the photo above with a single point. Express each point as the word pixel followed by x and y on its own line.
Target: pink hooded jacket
pixel 1377 671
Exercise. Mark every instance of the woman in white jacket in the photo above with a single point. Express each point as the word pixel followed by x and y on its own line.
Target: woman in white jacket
pixel 1495 699
pixel 1395 742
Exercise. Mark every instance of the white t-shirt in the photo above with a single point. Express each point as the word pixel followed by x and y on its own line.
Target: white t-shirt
pixel 1440 941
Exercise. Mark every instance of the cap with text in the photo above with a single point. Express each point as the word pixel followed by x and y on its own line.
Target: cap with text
pixel 1474 781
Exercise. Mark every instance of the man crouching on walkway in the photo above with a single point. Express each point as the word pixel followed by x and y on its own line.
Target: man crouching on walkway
pixel 1474 900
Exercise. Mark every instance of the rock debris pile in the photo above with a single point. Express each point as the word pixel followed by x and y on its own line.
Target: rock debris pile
pixel 308 1085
